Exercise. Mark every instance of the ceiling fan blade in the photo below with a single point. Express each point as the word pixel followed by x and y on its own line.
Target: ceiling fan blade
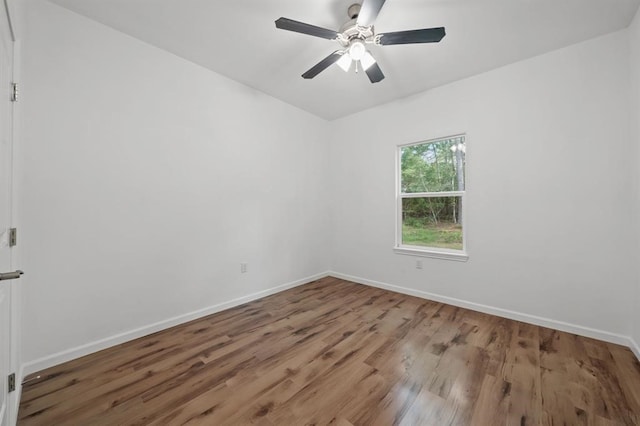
pixel 375 73
pixel 301 27
pixel 369 12
pixel 322 65
pixel 426 35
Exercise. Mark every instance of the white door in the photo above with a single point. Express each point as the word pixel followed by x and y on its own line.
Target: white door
pixel 6 166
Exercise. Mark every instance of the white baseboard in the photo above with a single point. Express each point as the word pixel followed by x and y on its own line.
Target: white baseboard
pixel 635 348
pixel 98 345
pixel 77 352
pixel 505 313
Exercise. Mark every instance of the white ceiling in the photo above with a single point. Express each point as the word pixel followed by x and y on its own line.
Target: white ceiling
pixel 239 39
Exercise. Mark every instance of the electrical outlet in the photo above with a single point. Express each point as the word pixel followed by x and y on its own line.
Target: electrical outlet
pixel 418 264
pixel 244 267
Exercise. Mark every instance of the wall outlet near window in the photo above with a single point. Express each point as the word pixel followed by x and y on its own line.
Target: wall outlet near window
pixel 244 267
pixel 418 264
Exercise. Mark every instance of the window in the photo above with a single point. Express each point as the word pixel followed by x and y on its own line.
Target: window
pixel 431 198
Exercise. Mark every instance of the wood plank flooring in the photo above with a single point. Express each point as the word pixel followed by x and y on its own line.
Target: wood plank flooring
pixel 339 353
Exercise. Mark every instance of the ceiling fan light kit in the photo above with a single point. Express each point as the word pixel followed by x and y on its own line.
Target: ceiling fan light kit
pixel 355 35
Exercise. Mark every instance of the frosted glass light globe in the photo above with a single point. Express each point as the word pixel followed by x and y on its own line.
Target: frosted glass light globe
pixel 357 50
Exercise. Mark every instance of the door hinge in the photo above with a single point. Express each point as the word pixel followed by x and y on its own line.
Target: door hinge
pixel 11 382
pixel 13 237
pixel 14 92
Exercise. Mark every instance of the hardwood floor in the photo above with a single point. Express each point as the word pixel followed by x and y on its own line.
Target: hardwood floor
pixel 334 352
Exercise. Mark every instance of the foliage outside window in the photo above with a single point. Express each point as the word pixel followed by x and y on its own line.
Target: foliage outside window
pixel 431 195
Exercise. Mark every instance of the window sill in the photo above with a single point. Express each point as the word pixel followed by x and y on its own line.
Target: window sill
pixel 458 256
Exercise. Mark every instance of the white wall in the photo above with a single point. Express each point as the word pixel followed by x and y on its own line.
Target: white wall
pixel 146 180
pixel 634 38
pixel 549 179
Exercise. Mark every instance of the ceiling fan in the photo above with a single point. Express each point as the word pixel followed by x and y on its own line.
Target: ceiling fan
pixel 353 37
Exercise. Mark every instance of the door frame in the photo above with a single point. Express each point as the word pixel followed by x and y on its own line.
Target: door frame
pixel 13 401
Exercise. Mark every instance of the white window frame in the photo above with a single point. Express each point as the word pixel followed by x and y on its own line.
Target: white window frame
pixel 434 252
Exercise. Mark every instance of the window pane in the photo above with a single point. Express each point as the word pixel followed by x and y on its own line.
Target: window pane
pixel 433 167
pixel 432 222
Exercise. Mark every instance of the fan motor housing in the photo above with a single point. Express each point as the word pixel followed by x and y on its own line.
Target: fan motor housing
pixel 350 30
